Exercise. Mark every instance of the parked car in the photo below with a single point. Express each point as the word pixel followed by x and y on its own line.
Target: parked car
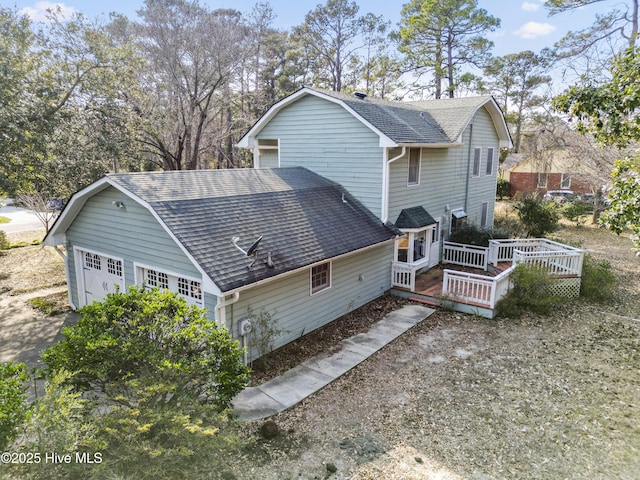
pixel 560 196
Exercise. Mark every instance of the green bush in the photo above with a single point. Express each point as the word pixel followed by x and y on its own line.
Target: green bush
pixel 503 188
pixel 538 217
pixel 13 401
pixel 530 292
pixel 470 234
pixel 135 340
pixel 577 211
pixel 598 280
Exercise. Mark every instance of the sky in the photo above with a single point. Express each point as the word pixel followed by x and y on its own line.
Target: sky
pixel 525 23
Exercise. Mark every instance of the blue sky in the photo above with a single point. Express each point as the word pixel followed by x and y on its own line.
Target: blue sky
pixel 525 24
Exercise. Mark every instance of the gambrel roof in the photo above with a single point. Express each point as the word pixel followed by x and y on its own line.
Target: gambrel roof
pixel 430 123
pixel 303 218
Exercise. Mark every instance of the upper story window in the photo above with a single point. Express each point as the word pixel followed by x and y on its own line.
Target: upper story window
pixel 320 277
pixel 489 169
pixel 413 176
pixel 477 153
pixel 566 181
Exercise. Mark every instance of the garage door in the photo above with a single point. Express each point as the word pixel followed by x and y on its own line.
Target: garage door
pixel 101 275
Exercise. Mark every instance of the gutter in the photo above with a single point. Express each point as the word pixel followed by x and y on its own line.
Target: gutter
pixel 385 183
pixel 466 188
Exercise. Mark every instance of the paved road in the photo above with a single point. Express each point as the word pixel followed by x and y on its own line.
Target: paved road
pixel 22 220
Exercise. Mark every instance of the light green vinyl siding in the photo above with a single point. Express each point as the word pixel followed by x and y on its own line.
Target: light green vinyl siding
pixel 268 158
pixel 132 234
pixel 445 175
pixel 355 280
pixel 323 137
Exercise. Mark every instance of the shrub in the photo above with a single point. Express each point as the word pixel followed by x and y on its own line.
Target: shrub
pixel 598 281
pixel 142 338
pixel 537 216
pixel 13 401
pixel 503 188
pixel 530 291
pixel 577 211
pixel 472 235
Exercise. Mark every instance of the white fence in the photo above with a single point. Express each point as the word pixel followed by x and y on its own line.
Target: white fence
pixel 465 255
pixel 554 262
pixel 403 275
pixel 503 250
pixel 476 289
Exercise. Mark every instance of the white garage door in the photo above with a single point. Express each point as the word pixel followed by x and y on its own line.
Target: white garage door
pixel 101 275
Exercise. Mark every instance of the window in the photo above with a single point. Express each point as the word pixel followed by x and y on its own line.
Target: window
pixel 476 161
pixel 114 267
pixel 320 277
pixel 413 177
pixel 483 215
pixel 436 233
pixel 92 261
pixel 566 181
pixel 189 288
pixel 489 169
pixel 542 180
pixel 155 279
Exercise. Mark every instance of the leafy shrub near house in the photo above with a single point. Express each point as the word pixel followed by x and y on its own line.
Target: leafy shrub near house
pixel 530 292
pixel 144 338
pixel 538 217
pixel 13 401
pixel 577 211
pixel 472 235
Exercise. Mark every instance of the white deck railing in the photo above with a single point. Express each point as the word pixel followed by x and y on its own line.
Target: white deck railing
pixel 403 275
pixel 465 255
pixel 476 289
pixel 502 250
pixel 555 262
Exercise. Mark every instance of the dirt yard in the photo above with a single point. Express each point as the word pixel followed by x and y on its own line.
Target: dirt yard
pixel 462 397
pixel 459 397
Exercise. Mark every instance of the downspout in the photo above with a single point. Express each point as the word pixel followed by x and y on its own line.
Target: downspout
pixel 221 317
pixel 466 189
pixel 385 184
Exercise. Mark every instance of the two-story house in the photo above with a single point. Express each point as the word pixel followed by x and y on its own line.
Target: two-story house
pixel 343 187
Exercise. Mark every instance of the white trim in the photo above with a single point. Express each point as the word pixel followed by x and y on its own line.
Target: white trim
pixel 249 138
pixel 324 287
pixel 79 199
pixel 302 269
pixel 257 148
pixel 139 282
pixel 78 259
pixel 417 183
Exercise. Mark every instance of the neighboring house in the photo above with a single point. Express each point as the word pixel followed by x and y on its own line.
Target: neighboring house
pixel 425 166
pixel 322 253
pixel 336 176
pixel 557 170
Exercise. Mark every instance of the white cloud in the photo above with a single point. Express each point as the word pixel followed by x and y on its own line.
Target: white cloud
pixel 38 13
pixel 530 7
pixel 531 30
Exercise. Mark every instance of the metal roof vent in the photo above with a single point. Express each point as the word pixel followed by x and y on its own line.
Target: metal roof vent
pixel 360 95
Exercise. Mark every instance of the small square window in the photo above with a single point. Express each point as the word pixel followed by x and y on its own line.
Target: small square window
pixel 320 277
pixel 92 261
pixel 114 267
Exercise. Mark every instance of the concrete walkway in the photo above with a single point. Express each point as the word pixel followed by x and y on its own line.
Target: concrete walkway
pixel 281 393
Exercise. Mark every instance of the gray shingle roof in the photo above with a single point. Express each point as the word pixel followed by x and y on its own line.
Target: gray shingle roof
pixel 423 122
pixel 301 216
pixel 414 217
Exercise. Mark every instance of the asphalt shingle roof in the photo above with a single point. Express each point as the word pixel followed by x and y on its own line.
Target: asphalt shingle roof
pixel 304 218
pixel 414 217
pixel 422 122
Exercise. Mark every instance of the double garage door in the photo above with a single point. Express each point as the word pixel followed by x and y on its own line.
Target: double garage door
pixel 100 276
